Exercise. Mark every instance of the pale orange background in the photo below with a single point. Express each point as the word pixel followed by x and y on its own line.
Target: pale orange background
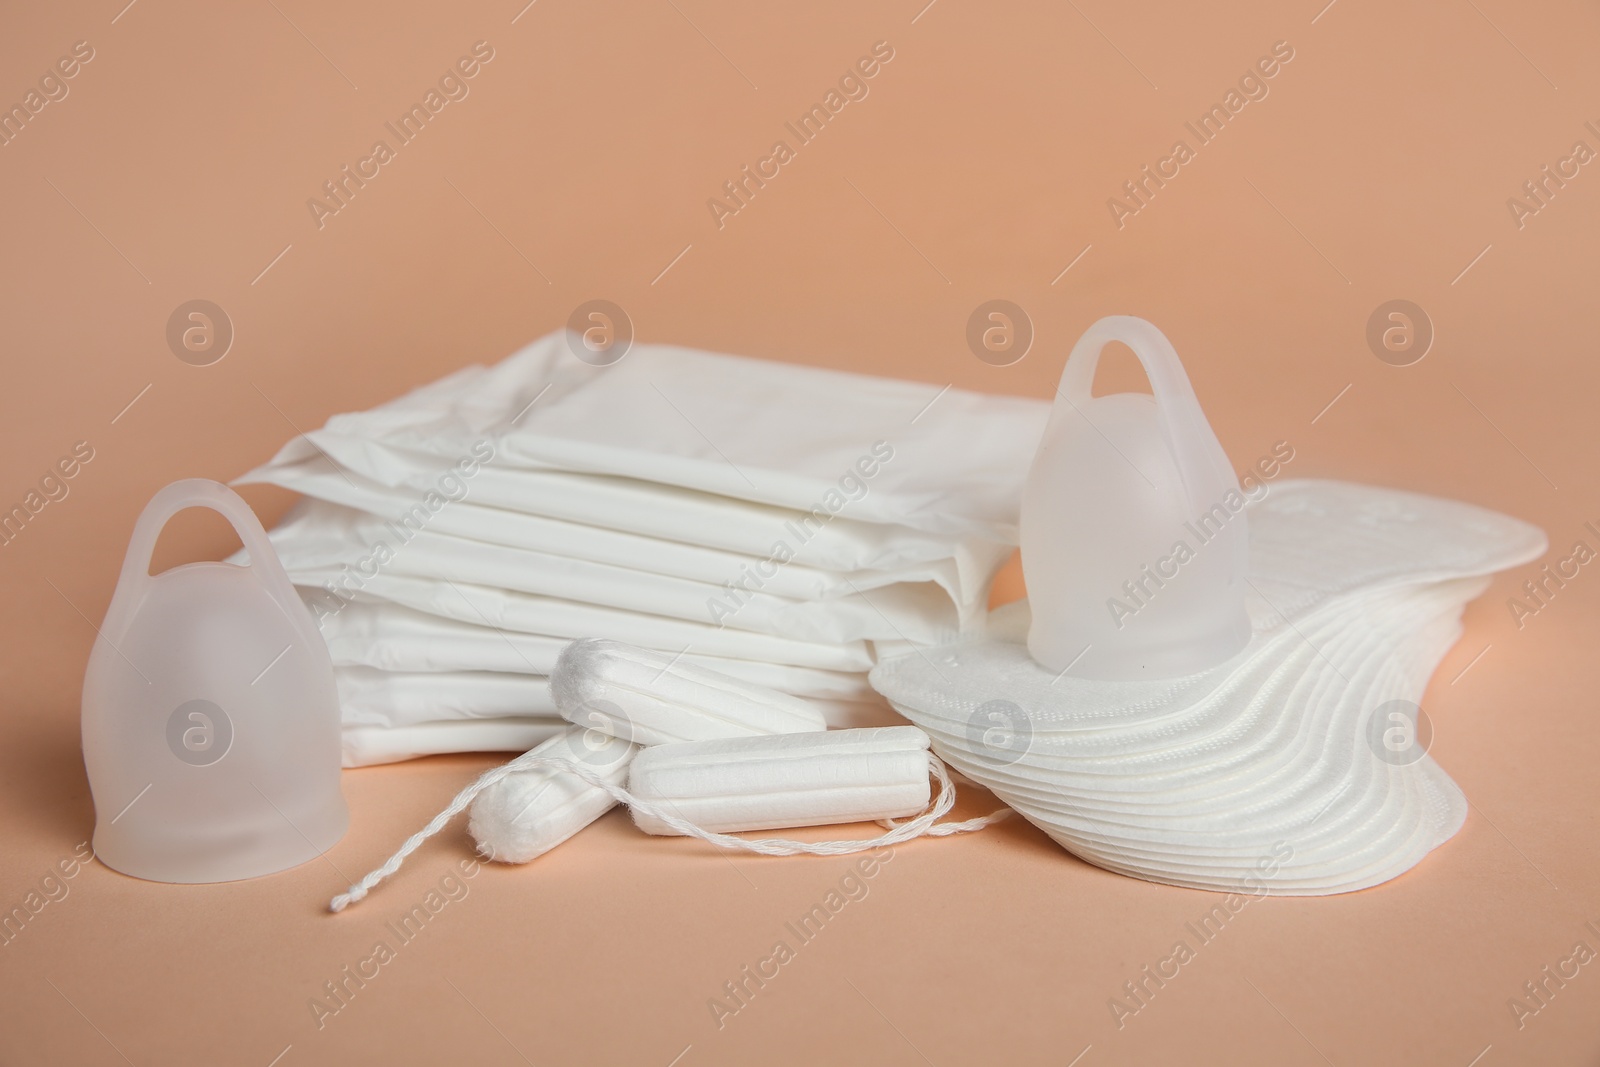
pixel 979 167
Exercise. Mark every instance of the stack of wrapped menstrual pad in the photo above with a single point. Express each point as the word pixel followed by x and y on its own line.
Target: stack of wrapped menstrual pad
pixel 785 525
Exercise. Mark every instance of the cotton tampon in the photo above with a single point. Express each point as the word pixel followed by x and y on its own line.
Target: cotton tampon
pixel 612 691
pixel 925 822
pixel 525 815
pixel 766 783
pixel 652 698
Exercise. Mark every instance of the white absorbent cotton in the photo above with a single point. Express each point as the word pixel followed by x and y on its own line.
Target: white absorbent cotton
pixel 1287 769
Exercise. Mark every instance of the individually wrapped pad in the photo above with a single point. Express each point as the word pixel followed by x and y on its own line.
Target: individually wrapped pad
pixel 325 545
pixel 651 699
pixel 394 638
pixel 837 543
pixel 700 544
pixel 377 633
pixel 766 783
pixel 526 814
pixel 370 697
pixel 365 746
pixel 944 461
pixel 548 616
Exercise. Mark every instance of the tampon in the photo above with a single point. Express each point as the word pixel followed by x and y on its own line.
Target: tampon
pixel 651 698
pixel 619 697
pixel 764 783
pixel 815 778
pixel 525 815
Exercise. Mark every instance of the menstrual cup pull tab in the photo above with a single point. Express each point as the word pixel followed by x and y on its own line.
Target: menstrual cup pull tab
pixel 210 717
pixel 1134 537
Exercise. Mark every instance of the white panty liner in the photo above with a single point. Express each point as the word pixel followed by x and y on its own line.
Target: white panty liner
pixel 1356 593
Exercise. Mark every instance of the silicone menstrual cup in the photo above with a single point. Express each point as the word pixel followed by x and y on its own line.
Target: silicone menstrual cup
pixel 210 717
pixel 1134 535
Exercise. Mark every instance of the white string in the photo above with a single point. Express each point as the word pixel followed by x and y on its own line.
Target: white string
pixel 945 829
pixel 770 846
pixel 967 827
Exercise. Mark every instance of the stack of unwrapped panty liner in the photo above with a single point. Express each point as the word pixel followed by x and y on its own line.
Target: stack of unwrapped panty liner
pixel 1295 768
pixel 785 525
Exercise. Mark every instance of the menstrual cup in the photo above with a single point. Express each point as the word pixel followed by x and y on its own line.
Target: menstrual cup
pixel 210 717
pixel 1134 536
